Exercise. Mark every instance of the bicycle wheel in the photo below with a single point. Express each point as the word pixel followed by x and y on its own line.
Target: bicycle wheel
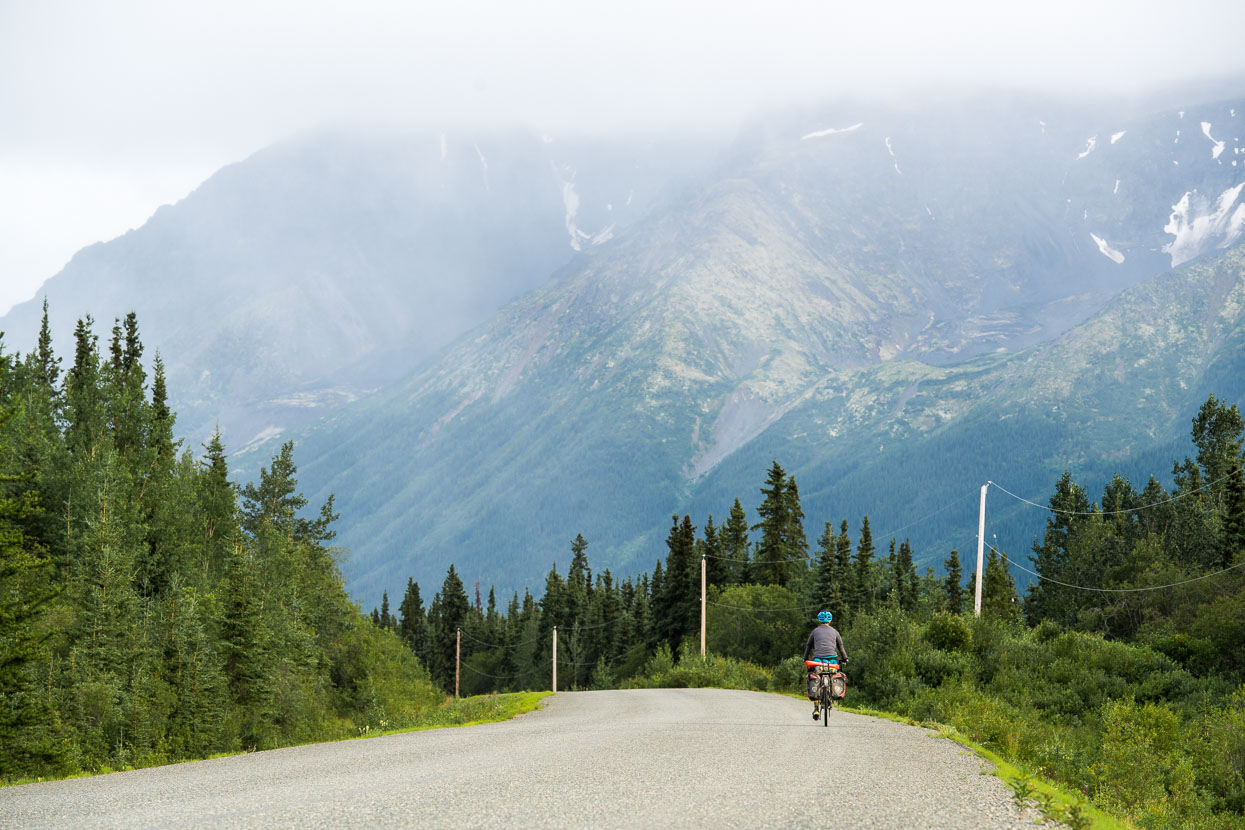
pixel 825 705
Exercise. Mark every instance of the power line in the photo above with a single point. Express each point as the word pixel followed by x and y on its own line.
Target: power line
pixel 805 558
pixel 1115 590
pixel 1176 497
pixel 499 645
pixel 915 522
pixel 468 667
pixel 803 609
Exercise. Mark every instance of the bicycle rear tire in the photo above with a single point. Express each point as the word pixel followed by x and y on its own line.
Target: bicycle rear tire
pixel 825 705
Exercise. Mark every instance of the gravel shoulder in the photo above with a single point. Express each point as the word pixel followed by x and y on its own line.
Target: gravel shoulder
pixel 641 758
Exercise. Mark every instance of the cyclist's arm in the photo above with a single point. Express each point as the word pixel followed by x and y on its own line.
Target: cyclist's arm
pixel 808 647
pixel 838 645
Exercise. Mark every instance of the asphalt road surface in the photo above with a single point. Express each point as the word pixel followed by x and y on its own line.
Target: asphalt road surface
pixel 644 758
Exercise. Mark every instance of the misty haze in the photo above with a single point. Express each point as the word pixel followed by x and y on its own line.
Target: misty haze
pixel 405 355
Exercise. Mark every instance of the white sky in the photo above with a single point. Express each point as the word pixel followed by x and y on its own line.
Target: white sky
pixel 110 109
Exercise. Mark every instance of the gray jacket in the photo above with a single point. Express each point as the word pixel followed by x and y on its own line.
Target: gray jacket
pixel 824 641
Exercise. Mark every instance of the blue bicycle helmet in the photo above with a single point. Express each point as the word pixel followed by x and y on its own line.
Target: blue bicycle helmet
pixel 824 617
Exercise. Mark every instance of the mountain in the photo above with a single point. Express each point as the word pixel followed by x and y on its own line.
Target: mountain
pixel 912 443
pixel 847 292
pixel 327 265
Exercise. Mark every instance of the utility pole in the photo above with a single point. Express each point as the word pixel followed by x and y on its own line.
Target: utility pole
pixel 458 650
pixel 981 545
pixel 555 658
pixel 702 606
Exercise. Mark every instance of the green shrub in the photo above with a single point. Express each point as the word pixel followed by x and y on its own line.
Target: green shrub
pixel 1138 745
pixel 949 632
pixel 761 624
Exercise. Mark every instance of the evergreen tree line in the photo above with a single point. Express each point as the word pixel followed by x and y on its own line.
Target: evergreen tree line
pixel 1151 565
pixel 765 584
pixel 608 628
pixel 150 609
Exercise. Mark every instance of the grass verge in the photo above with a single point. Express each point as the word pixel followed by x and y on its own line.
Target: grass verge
pixel 1054 803
pixel 466 711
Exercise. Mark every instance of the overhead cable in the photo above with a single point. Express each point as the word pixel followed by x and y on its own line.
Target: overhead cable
pixel 1237 566
pixel 1174 498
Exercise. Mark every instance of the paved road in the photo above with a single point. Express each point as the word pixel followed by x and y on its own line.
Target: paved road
pixel 646 758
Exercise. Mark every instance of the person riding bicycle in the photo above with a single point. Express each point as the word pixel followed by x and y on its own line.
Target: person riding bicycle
pixel 824 643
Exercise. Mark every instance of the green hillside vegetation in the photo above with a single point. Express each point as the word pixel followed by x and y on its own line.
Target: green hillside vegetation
pixel 152 611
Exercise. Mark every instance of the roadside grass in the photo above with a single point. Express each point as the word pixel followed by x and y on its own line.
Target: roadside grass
pixel 469 711
pixel 1059 805
pixel 466 711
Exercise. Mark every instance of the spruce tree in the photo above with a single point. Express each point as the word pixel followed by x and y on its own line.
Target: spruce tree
pixel 954 583
pixel 161 437
pixel 826 584
pixel 681 594
pixel 450 608
pixel 412 624
pixel 1234 517
pixel 865 570
pixel 774 550
pixel 48 368
pixel 796 541
pixel 735 544
pixel 84 409
pixel 890 579
pixel 29 744
pixel 907 581
pixel 578 581
pixel 998 591
pixel 386 621
pixel 656 606
pixel 275 499
pixel 216 507
pixel 847 591
pixel 717 569
pixel 1052 558
pixel 553 604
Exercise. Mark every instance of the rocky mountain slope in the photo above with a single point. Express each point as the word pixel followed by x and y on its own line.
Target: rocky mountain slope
pixel 487 343
pixel 327 265
pixel 815 301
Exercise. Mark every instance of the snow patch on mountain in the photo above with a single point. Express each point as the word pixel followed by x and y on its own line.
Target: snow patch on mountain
pixel 1218 145
pixel 1106 250
pixel 1117 136
pixel 483 168
pixel 1089 148
pixel 894 160
pixel 832 131
pixel 1198 225
pixel 1117 187
pixel 259 439
pixel 570 200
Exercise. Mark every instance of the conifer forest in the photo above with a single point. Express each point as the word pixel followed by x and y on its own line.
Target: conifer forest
pixel 152 610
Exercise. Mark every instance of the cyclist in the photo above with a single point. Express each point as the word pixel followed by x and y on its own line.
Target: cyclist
pixel 824 643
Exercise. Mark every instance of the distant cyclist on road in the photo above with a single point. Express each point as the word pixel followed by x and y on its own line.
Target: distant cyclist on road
pixel 824 643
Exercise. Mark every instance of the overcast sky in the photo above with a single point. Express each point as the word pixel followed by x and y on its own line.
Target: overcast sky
pixel 110 109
